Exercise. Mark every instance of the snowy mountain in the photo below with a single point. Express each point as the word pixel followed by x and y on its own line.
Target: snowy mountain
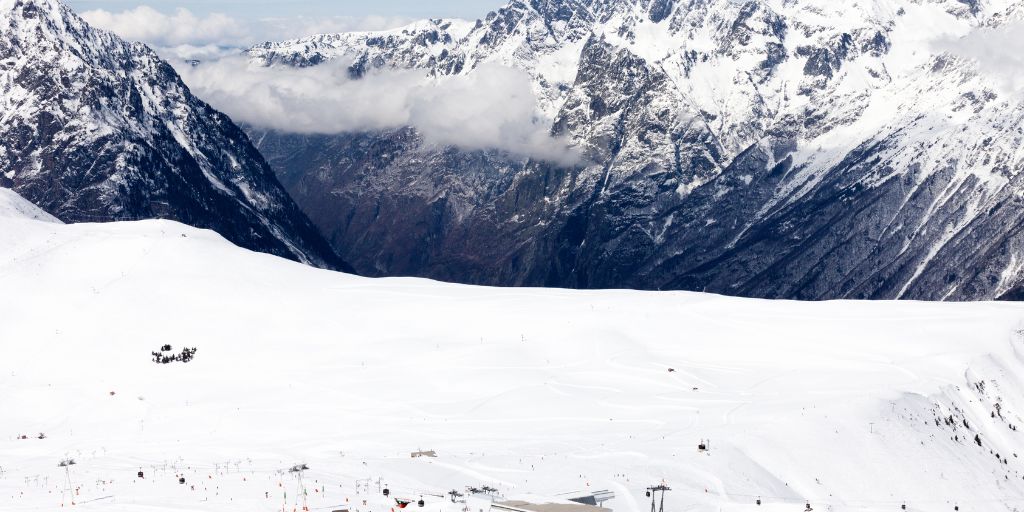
pixel 96 129
pixel 806 149
pixel 851 407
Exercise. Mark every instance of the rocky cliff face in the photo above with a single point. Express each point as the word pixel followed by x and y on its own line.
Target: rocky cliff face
pixel 788 149
pixel 96 129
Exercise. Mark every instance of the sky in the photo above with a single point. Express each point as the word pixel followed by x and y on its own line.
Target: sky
pixel 469 9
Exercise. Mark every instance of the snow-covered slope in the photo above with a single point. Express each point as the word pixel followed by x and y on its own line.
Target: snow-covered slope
pixel 801 149
pixel 94 129
pixel 13 206
pixel 851 406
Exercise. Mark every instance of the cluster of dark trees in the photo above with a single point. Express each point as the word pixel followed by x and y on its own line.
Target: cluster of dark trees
pixel 162 357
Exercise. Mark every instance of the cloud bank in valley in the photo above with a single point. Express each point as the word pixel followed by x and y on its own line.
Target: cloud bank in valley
pixel 998 52
pixel 492 107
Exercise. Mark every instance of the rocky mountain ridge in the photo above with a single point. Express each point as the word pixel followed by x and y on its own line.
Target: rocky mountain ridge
pixel 772 148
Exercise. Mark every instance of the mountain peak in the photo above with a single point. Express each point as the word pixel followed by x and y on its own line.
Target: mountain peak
pixel 34 9
pixel 773 148
pixel 98 129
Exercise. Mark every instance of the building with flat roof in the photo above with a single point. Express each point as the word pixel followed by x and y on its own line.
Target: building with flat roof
pixel 525 506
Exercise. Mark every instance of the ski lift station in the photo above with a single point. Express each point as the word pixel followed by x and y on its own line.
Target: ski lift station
pixel 487 499
pixel 578 501
pixel 560 506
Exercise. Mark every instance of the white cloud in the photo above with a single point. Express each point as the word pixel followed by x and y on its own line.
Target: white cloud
pixel 998 52
pixel 177 32
pixel 187 52
pixel 491 108
pixel 151 26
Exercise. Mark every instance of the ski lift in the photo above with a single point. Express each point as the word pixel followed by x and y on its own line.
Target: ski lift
pixel 421 503
pixel 648 494
pixel 903 507
pixel 702 447
pixel 387 492
pixel 759 502
pixel 181 481
pixel 142 475
pixel 808 509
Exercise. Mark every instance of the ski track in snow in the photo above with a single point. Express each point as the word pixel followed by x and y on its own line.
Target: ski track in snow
pixel 533 392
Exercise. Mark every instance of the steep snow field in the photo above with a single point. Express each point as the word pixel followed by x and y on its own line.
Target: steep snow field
pixel 851 406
